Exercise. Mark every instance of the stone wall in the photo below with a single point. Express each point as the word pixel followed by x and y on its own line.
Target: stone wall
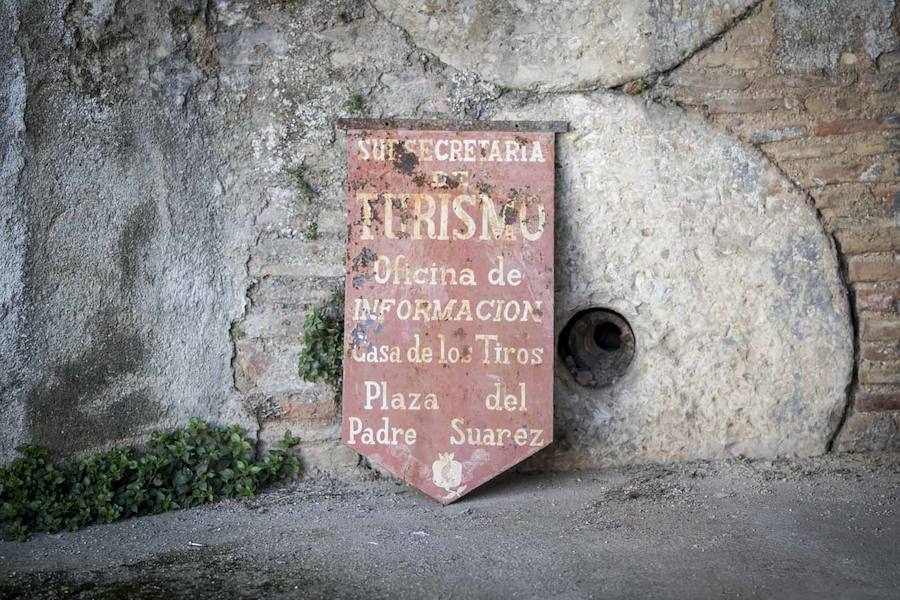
pixel 815 87
pixel 124 238
pixel 172 200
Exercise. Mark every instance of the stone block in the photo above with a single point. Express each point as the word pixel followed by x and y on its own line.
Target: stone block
pixel 872 330
pixel 810 36
pixel 270 366
pixel 871 372
pixel 732 288
pixel 861 240
pixel 298 258
pixel 571 44
pixel 873 401
pixel 872 269
pixel 329 458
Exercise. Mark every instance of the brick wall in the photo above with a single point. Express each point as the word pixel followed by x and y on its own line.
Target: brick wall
pixel 292 273
pixel 833 126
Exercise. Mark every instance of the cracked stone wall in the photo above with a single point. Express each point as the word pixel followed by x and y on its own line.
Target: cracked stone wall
pixel 172 200
pixel 816 87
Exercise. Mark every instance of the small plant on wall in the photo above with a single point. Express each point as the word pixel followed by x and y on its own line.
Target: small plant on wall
pixel 355 104
pixel 297 174
pixel 322 347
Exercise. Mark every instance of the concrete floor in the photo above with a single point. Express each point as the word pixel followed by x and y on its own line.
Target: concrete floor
pixel 823 528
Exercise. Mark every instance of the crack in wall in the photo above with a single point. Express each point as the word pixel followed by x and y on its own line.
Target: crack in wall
pixel 596 84
pixel 252 283
pixel 750 11
pixel 469 93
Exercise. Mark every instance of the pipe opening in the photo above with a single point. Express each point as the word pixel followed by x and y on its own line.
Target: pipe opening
pixel 597 345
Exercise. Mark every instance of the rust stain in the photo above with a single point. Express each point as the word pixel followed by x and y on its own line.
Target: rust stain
pixel 405 161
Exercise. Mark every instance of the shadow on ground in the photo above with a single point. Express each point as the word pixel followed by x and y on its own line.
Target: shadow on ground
pixel 822 528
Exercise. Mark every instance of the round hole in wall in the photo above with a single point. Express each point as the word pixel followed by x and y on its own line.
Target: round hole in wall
pixel 596 346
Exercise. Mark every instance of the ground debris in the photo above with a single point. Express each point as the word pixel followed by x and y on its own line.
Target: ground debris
pixel 606 533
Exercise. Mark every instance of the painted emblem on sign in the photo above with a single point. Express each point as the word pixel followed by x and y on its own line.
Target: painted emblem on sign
pixel 448 364
pixel 447 474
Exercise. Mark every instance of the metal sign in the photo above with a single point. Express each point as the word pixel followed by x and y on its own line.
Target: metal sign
pixel 448 365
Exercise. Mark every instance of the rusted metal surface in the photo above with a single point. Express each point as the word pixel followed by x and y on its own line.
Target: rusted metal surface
pixel 363 124
pixel 449 316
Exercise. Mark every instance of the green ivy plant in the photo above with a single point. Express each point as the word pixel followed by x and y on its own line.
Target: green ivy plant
pixel 178 469
pixel 322 345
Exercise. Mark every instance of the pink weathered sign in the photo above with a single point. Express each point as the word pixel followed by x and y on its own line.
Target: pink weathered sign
pixel 448 365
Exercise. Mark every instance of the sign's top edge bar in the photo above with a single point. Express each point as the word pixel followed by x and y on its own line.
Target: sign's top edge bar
pixel 450 125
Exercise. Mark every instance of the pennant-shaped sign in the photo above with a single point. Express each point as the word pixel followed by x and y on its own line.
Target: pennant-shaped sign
pixel 448 365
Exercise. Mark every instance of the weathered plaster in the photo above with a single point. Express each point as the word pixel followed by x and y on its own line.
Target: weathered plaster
pixel 569 45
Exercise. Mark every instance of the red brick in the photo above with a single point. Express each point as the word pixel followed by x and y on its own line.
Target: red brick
pixel 873 330
pixel 706 81
pixel 877 300
pixel 874 144
pixel 779 82
pixel 862 240
pixel 322 411
pixel 745 105
pixel 747 60
pixel 846 126
pixel 863 268
pixel 864 169
pixel 871 372
pixel 856 205
pixel 833 196
pixel 804 149
pixel 848 103
pixel 880 351
pixel 878 401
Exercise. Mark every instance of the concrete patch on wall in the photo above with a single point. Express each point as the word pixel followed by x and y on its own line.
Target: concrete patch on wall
pixel 552 45
pixel 12 227
pixel 127 231
pixel 812 35
pixel 744 343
